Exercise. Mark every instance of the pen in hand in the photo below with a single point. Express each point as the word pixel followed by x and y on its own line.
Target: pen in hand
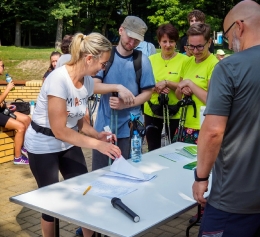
pixel 88 188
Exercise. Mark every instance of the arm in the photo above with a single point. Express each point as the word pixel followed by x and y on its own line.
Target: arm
pixel 196 90
pixel 209 142
pixel 117 103
pixel 165 86
pixel 9 87
pixel 57 109
pixel 86 128
pixel 125 94
pixel 179 92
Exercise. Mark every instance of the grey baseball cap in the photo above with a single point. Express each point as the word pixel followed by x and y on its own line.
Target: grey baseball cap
pixel 135 27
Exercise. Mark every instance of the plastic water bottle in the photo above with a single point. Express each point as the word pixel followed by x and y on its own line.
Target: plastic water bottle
pixel 32 105
pixel 8 79
pixel 136 147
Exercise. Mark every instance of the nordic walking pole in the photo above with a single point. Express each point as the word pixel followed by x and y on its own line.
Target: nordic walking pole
pixel 164 124
pixel 115 94
pixel 168 124
pixel 113 121
pixel 181 123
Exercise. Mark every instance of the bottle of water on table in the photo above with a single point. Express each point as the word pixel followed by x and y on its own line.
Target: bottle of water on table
pixel 32 106
pixel 136 147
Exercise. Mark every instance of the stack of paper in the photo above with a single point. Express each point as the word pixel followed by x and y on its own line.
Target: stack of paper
pixel 188 151
pixel 120 181
pixel 191 150
pixel 122 168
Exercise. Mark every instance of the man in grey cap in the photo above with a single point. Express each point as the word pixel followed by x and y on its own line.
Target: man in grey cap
pixel 121 78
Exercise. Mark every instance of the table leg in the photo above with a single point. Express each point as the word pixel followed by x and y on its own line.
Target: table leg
pixel 56 228
pixel 194 223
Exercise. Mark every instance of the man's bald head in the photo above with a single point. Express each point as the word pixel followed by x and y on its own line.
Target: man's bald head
pixel 244 10
pixel 245 18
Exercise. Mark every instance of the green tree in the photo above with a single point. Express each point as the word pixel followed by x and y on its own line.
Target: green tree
pixel 61 9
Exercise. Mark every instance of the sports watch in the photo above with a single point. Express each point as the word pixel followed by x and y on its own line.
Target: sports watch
pixel 199 179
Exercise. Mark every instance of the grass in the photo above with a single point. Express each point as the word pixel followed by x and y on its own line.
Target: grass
pixel 30 63
pixel 25 63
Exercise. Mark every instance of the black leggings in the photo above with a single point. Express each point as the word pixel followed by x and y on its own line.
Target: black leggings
pixel 46 167
pixel 153 135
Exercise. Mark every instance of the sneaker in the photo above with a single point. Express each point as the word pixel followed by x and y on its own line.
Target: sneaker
pixel 22 160
pixel 24 152
pixel 79 232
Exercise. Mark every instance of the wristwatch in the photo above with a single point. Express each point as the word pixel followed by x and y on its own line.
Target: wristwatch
pixel 199 179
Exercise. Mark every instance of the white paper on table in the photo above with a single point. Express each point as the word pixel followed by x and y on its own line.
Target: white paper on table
pixel 108 187
pixel 176 157
pixel 122 168
pixel 107 190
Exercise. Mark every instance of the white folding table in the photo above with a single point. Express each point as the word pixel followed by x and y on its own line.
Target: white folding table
pixel 156 201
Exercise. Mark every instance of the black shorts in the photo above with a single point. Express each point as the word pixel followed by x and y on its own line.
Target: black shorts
pixel 46 167
pixel 3 119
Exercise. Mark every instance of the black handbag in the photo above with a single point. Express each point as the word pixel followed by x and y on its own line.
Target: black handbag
pixel 22 106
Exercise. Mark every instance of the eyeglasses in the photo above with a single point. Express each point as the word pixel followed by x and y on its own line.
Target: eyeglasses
pixel 103 65
pixel 229 28
pixel 198 47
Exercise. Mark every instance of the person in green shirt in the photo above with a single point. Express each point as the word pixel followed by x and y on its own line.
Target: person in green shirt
pixel 196 78
pixel 195 83
pixel 168 70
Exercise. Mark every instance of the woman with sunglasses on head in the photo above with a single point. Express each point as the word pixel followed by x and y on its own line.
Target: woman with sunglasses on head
pixel 19 122
pixel 55 55
pixel 52 140
pixel 196 78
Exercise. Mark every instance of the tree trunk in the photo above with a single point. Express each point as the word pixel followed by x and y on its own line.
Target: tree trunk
pixel 104 27
pixel 17 33
pixel 59 34
pixel 30 38
pixel 24 39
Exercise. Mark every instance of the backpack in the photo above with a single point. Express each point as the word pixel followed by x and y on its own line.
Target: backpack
pixel 137 60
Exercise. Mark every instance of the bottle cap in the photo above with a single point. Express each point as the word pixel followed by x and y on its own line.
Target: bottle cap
pixel 32 102
pixel 135 132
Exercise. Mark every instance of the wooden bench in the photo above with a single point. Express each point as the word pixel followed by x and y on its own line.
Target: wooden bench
pixel 28 91
pixel 6 145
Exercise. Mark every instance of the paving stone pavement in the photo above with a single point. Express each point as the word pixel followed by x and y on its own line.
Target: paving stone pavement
pixel 18 221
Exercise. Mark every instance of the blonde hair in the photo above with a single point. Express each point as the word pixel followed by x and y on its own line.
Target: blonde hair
pixel 93 43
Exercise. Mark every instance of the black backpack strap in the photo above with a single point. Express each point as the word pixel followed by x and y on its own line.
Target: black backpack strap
pixel 110 61
pixel 137 59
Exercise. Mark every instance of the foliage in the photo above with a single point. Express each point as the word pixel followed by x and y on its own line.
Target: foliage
pixel 39 18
